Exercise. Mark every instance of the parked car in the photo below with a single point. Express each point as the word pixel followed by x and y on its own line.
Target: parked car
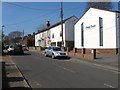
pixel 15 49
pixel 25 48
pixel 55 52
pixel 6 47
pixel 10 48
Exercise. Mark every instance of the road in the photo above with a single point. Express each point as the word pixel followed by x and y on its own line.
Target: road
pixel 44 72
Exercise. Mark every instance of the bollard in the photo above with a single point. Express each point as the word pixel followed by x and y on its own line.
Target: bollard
pixel 83 51
pixel 94 53
pixel 67 50
pixel 75 50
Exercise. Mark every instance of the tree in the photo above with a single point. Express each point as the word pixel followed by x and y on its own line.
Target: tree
pixel 102 4
pixel 41 27
pixel 13 37
pixel 15 34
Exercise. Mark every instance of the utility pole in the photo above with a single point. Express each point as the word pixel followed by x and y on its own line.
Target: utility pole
pixel 61 15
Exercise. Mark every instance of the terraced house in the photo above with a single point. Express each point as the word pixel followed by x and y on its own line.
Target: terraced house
pixel 52 35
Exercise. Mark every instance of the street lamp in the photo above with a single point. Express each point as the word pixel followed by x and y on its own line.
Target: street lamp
pixel 3 27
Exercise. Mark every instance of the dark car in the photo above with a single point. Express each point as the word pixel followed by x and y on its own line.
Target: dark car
pixel 16 49
pixel 25 48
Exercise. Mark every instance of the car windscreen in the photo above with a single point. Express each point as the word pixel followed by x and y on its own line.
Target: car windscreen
pixel 57 49
pixel 17 47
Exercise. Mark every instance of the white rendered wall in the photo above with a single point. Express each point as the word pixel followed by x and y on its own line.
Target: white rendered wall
pixel 91 35
pixel 37 37
pixel 56 31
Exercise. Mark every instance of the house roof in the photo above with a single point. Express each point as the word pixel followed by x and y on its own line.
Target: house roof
pixel 54 25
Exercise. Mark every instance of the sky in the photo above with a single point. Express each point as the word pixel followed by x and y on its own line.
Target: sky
pixel 28 16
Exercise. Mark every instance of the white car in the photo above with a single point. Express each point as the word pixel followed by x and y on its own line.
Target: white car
pixel 55 52
pixel 10 48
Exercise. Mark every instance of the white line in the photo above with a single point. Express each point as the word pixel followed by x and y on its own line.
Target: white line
pixel 65 68
pixel 68 70
pixel 110 86
pixel 38 84
pixel 107 68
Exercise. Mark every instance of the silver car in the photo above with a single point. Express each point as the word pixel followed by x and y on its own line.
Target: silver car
pixel 55 52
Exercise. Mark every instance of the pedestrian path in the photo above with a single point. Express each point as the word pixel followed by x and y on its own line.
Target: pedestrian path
pixel 12 77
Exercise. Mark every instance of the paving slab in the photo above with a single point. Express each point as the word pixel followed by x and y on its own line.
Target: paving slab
pixel 12 77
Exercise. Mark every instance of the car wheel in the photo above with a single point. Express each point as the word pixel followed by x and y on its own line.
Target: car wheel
pixel 53 56
pixel 45 54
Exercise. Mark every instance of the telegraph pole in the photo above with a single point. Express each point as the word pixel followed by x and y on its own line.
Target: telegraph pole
pixel 61 15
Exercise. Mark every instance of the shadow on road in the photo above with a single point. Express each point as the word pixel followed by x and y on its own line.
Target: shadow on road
pixel 25 54
pixel 17 88
pixel 63 58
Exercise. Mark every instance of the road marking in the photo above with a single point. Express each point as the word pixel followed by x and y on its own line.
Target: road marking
pixel 68 70
pixel 38 84
pixel 65 68
pixel 107 68
pixel 110 86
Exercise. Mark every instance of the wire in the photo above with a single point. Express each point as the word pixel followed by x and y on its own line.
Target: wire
pixel 32 7
pixel 24 21
pixel 30 19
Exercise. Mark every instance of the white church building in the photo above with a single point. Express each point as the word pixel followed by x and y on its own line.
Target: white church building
pixel 98 29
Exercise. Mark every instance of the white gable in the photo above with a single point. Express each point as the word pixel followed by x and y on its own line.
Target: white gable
pixel 91 34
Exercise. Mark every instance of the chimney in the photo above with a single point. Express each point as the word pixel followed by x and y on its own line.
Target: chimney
pixel 47 24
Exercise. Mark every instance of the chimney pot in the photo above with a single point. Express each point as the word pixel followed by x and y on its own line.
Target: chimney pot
pixel 47 23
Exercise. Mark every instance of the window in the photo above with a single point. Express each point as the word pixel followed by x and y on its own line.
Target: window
pixel 59 44
pixel 82 35
pixel 61 33
pixel 53 35
pixel 101 31
pixel 53 44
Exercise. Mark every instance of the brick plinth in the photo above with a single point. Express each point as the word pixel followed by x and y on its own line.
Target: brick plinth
pixel 107 51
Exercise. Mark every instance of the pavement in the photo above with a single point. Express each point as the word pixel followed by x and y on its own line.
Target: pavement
pixel 12 77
